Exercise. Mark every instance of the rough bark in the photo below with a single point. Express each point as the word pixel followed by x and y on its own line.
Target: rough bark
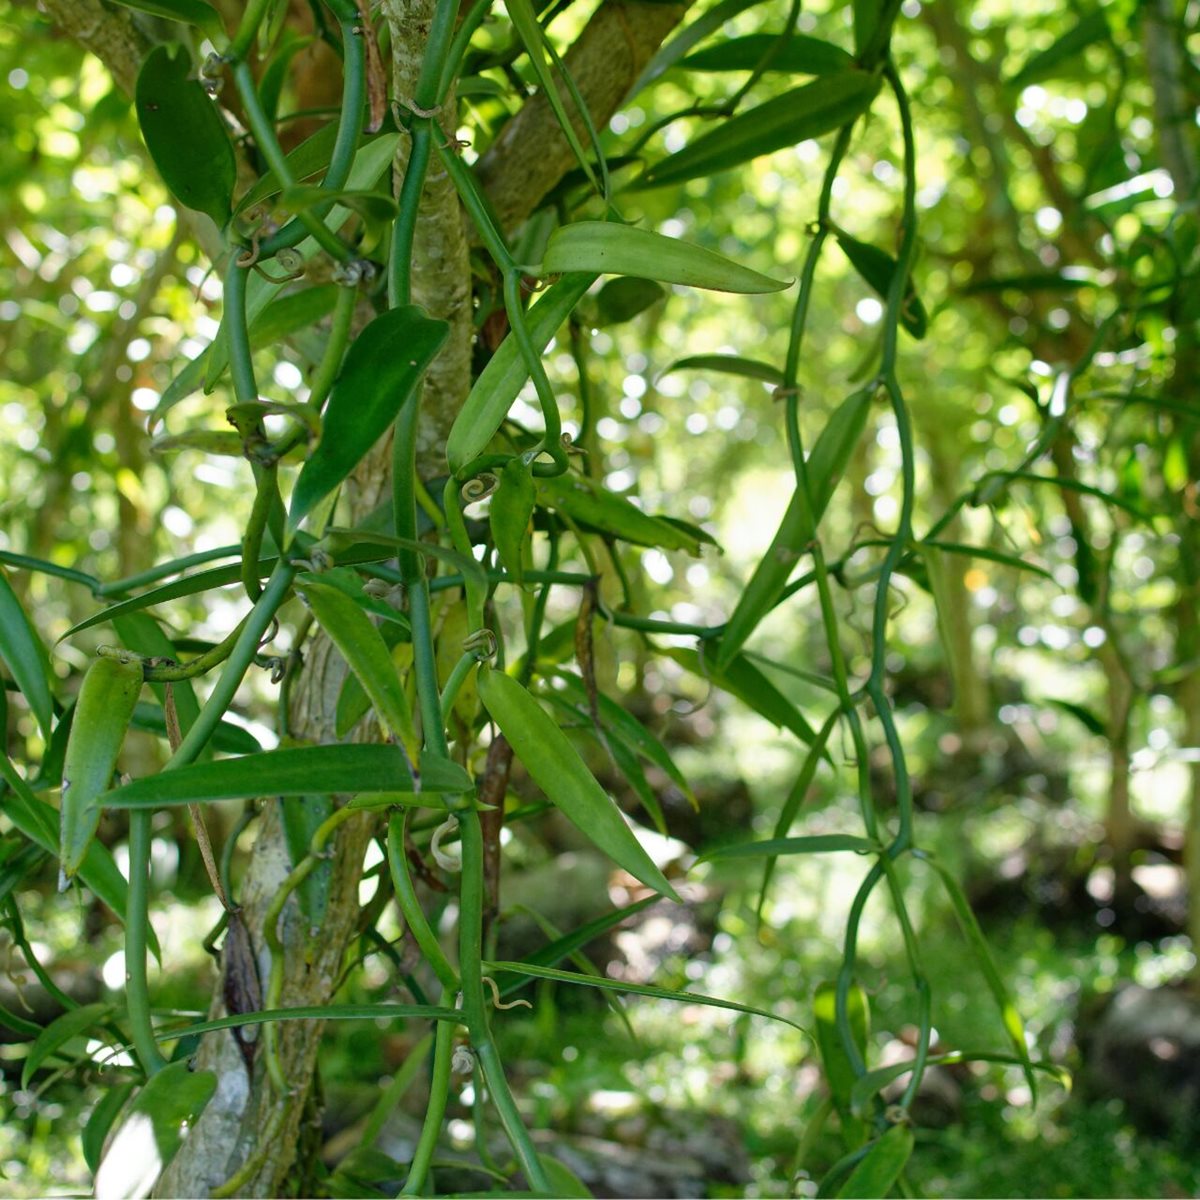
pixel 109 33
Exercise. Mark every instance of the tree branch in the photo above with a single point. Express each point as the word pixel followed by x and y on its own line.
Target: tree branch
pixel 109 34
pixel 531 154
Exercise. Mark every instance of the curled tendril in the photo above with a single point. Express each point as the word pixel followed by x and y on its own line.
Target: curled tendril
pixel 497 1002
pixel 448 862
pixel 271 634
pixel 482 643
pixel 249 256
pixel 414 108
pixel 480 487
pixel 279 667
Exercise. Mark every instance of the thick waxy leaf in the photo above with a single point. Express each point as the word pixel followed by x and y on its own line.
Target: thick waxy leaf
pixel 363 647
pixel 824 468
pixel 103 711
pixel 184 133
pixel 879 1170
pixel 742 679
pixel 729 364
pixel 72 1024
pixel 555 766
pixel 839 1069
pixel 634 989
pixel 608 248
pixel 152 1131
pixel 878 268
pixel 25 656
pixel 511 509
pixel 379 376
pixel 624 298
pixel 801 55
pixel 807 112
pixel 589 503
pixel 189 12
pixel 302 771
pixel 498 384
pixel 107 1109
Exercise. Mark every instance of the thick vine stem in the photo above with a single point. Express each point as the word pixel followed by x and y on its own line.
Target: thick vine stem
pixel 137 918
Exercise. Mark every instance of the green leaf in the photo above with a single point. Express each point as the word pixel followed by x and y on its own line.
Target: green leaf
pixel 505 374
pixel 153 1130
pixel 729 364
pixel 25 657
pixel 103 711
pixel 624 298
pixel 743 680
pixel 607 247
pixel 363 648
pixel 1090 720
pixel 625 726
pixel 281 318
pixel 296 771
pixel 377 209
pixel 319 1012
pixel 510 513
pixel 839 1069
pixel 589 503
pixel 796 531
pixel 1010 1018
pixel 556 768
pixel 75 1022
pixel 1047 64
pixel 634 989
pixel 869 1085
pixel 806 112
pixel 879 1170
pixel 23 562
pixel 38 821
pixel 563 1181
pixel 524 19
pixel 562 947
pixel 703 26
pixel 380 375
pixel 867 14
pixel 801 55
pixel 185 135
pixel 105 1112
pixel 820 843
pixel 189 12
pixel 878 268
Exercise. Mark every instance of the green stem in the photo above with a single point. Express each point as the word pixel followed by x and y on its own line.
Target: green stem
pixel 410 906
pixel 268 144
pixel 404 503
pixel 200 665
pixel 137 919
pixel 335 348
pixel 237 332
pixel 240 658
pixel 474 1005
pixel 351 117
pixel 435 1109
